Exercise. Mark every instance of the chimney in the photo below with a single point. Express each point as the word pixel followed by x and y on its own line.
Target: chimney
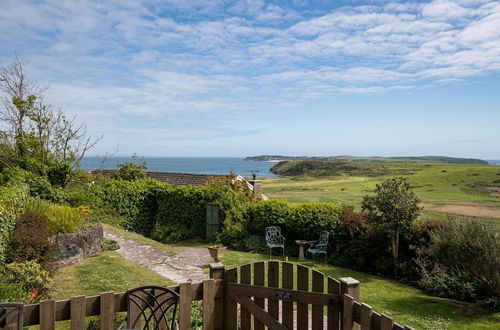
pixel 257 187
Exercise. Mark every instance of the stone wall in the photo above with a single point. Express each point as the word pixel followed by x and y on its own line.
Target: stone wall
pixel 71 249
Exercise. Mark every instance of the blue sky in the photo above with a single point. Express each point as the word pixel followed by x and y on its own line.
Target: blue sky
pixel 237 78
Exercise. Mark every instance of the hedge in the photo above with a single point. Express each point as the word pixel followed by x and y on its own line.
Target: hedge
pixel 297 221
pixel 12 202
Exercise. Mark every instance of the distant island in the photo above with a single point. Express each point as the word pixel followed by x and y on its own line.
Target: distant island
pixel 419 159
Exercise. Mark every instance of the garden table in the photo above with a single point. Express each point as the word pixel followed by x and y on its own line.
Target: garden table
pixel 301 244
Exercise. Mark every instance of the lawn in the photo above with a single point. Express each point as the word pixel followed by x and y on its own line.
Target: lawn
pixel 108 272
pixel 443 188
pixel 407 305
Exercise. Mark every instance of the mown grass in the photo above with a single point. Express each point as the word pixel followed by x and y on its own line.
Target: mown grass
pixel 435 184
pixel 141 239
pixel 407 305
pixel 107 272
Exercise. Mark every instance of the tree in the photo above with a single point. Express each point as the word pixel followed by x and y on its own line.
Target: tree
pixel 393 209
pixel 131 171
pixel 37 134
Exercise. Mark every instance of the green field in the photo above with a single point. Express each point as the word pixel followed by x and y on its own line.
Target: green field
pixel 472 190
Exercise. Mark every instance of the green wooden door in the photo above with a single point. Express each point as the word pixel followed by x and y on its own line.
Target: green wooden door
pixel 212 221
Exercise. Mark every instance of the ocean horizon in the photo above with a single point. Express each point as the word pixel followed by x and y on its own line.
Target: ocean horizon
pixel 193 165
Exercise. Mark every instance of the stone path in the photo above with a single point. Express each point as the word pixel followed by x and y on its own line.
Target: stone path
pixel 179 268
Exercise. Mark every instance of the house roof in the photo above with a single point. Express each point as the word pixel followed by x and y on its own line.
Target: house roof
pixel 176 179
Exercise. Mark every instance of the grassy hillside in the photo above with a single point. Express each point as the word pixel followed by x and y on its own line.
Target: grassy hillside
pixel 472 190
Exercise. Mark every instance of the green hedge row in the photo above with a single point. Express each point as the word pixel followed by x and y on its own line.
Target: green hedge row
pixel 12 202
pixel 297 221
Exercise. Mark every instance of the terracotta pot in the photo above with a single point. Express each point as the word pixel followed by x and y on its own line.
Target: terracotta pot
pixel 217 252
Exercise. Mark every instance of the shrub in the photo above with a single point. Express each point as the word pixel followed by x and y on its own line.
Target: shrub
pixel 255 244
pixel 12 201
pixel 62 218
pixel 449 283
pixel 39 186
pixel 30 277
pixel 297 221
pixel 31 239
pixel 131 171
pixel 110 245
pixel 12 292
pixel 59 174
pixel 65 219
pixel 469 246
pixel 133 201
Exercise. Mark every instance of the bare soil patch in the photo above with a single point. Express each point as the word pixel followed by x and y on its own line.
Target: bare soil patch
pixel 473 211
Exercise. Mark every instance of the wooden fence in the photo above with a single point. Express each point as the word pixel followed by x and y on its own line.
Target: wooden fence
pixel 285 301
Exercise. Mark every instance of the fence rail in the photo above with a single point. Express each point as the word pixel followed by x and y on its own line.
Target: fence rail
pixel 336 306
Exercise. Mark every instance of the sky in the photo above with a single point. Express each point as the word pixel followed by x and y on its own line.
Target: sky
pixel 290 77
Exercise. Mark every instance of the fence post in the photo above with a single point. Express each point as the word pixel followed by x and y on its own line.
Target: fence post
pixel 186 297
pixel 352 287
pixel 217 272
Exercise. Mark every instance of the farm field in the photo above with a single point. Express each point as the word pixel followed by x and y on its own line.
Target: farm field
pixel 472 190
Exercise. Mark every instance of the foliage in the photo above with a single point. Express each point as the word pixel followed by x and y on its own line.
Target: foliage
pixel 300 221
pixel 393 209
pixel 12 201
pixel 131 171
pixel 297 221
pixel 110 245
pixel 452 283
pixel 182 210
pixel 62 218
pixel 471 247
pixel 196 315
pixel 31 239
pixel 39 136
pixel 30 276
pixel 255 244
pixel 133 201
pixel 12 292
pixel 38 185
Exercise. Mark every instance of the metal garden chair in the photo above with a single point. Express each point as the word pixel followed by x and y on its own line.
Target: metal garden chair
pixel 319 246
pixel 154 307
pixel 274 239
pixel 11 316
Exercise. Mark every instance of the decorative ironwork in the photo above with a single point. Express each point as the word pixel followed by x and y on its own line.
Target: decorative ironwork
pixel 154 306
pixel 274 239
pixel 319 246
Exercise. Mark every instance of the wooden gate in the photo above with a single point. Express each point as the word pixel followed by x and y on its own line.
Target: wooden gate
pixel 269 299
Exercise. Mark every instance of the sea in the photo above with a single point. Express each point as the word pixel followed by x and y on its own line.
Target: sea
pixel 194 165
pixel 493 161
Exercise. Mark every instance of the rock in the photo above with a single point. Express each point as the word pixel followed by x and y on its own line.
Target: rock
pixel 71 249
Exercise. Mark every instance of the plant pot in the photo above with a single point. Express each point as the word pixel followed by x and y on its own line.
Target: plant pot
pixel 217 252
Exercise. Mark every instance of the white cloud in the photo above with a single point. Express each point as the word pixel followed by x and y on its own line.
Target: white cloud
pixel 140 59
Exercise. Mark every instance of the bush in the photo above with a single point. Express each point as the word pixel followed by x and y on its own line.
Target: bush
pixel 62 218
pixel 255 244
pixel 31 239
pixel 59 174
pixel 65 219
pixel 12 292
pixel 469 246
pixel 12 201
pixel 39 186
pixel 110 245
pixel 30 277
pixel 131 171
pixel 455 284
pixel 132 201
